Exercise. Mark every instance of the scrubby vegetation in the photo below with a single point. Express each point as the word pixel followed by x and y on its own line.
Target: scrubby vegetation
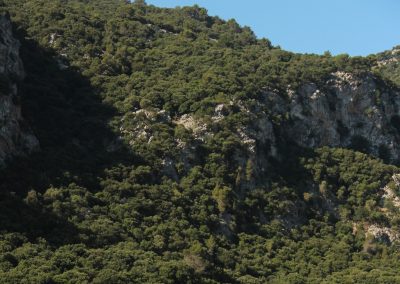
pixel 103 203
pixel 388 65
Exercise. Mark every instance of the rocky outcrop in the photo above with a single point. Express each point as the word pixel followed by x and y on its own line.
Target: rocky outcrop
pixel 350 110
pixel 15 138
pixel 389 206
pixel 389 57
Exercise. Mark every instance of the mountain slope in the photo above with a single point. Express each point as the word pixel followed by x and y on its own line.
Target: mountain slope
pixel 178 148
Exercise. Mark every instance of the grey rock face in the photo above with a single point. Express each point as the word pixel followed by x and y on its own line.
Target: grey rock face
pixel 14 139
pixel 350 110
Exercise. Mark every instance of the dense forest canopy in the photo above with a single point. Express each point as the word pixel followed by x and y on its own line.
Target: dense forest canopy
pixel 122 192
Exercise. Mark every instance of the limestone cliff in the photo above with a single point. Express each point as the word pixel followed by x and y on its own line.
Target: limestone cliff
pixel 350 110
pixel 15 138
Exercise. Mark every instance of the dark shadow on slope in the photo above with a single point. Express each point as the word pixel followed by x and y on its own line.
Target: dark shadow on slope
pixel 17 215
pixel 68 117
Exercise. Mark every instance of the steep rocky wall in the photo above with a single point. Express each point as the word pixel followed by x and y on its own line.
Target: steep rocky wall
pixel 14 139
pixel 350 110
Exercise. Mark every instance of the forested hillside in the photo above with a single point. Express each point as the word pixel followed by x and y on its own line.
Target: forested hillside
pixel 176 147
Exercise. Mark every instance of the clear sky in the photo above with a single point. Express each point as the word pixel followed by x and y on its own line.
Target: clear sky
pixel 356 27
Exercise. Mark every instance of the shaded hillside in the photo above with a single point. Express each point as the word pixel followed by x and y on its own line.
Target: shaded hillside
pixel 179 148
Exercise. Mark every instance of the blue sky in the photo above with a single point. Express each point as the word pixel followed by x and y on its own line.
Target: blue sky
pixel 356 27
